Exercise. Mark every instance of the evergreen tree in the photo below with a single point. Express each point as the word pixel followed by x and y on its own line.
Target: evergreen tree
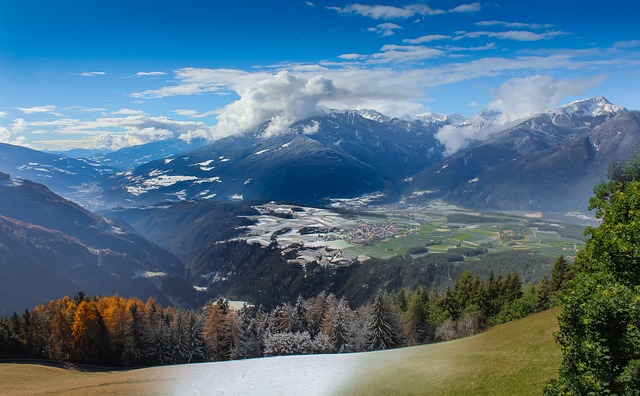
pixel 415 328
pixel 382 326
pixel 542 294
pixel 195 347
pixel 560 275
pixel 251 324
pixel 299 316
pixel 132 353
pixel 600 325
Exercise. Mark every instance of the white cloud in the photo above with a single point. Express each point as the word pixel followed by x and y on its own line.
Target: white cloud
pixel 280 100
pixel 448 48
pixel 473 7
pixel 311 128
pixel 627 44
pixel 93 74
pixel 3 114
pixel 385 29
pixel 195 81
pixel 288 93
pixel 426 39
pixel 40 109
pixel 514 25
pixel 405 53
pixel 125 111
pixel 92 109
pixel 352 56
pixel 532 94
pixel 517 35
pixel 516 98
pixel 408 11
pixel 112 132
pixel 13 133
pixel 387 12
pixel 310 4
pixel 150 74
pixel 195 113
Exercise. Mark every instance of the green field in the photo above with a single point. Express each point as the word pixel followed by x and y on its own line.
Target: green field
pixel 452 226
pixel 516 358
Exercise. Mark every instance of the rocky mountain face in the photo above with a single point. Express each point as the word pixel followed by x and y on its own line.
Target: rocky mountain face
pixel 50 247
pixel 338 154
pixel 550 161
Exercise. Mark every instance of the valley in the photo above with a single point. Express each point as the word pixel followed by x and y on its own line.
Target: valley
pixel 337 236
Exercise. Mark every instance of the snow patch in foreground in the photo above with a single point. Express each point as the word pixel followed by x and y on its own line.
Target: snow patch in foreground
pixel 306 375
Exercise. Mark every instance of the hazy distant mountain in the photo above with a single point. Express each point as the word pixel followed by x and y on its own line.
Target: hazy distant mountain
pixel 547 161
pixel 129 157
pixel 336 154
pixel 50 247
pixel 62 174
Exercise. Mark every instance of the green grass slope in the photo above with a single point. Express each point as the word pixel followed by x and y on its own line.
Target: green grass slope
pixel 516 358
pixel 512 359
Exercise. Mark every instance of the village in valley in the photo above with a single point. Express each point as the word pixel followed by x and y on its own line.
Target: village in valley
pixel 338 236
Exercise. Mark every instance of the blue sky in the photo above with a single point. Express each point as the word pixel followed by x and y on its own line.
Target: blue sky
pixel 111 74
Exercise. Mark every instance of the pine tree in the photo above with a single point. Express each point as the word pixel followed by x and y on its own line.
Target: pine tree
pixel 195 347
pixel 415 328
pixel 542 294
pixel 132 353
pixel 179 339
pixel 382 326
pixel 560 275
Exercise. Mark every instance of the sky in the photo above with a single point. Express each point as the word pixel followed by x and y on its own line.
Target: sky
pixel 110 74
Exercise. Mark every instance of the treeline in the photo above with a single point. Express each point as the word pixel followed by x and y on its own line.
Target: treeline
pixel 117 331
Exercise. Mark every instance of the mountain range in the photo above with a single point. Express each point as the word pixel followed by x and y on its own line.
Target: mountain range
pixel 51 247
pixel 169 227
pixel 547 161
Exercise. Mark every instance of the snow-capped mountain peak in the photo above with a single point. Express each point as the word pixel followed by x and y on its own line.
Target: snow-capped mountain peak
pixel 594 107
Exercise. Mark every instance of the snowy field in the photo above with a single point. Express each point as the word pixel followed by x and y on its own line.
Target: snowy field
pixel 307 375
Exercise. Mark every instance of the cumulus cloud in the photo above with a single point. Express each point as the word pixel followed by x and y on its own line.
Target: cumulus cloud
pixel 112 132
pixel 279 100
pixel 13 134
pixel 311 128
pixel 532 94
pixel 3 114
pixel 385 29
pixel 93 74
pixel 516 98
